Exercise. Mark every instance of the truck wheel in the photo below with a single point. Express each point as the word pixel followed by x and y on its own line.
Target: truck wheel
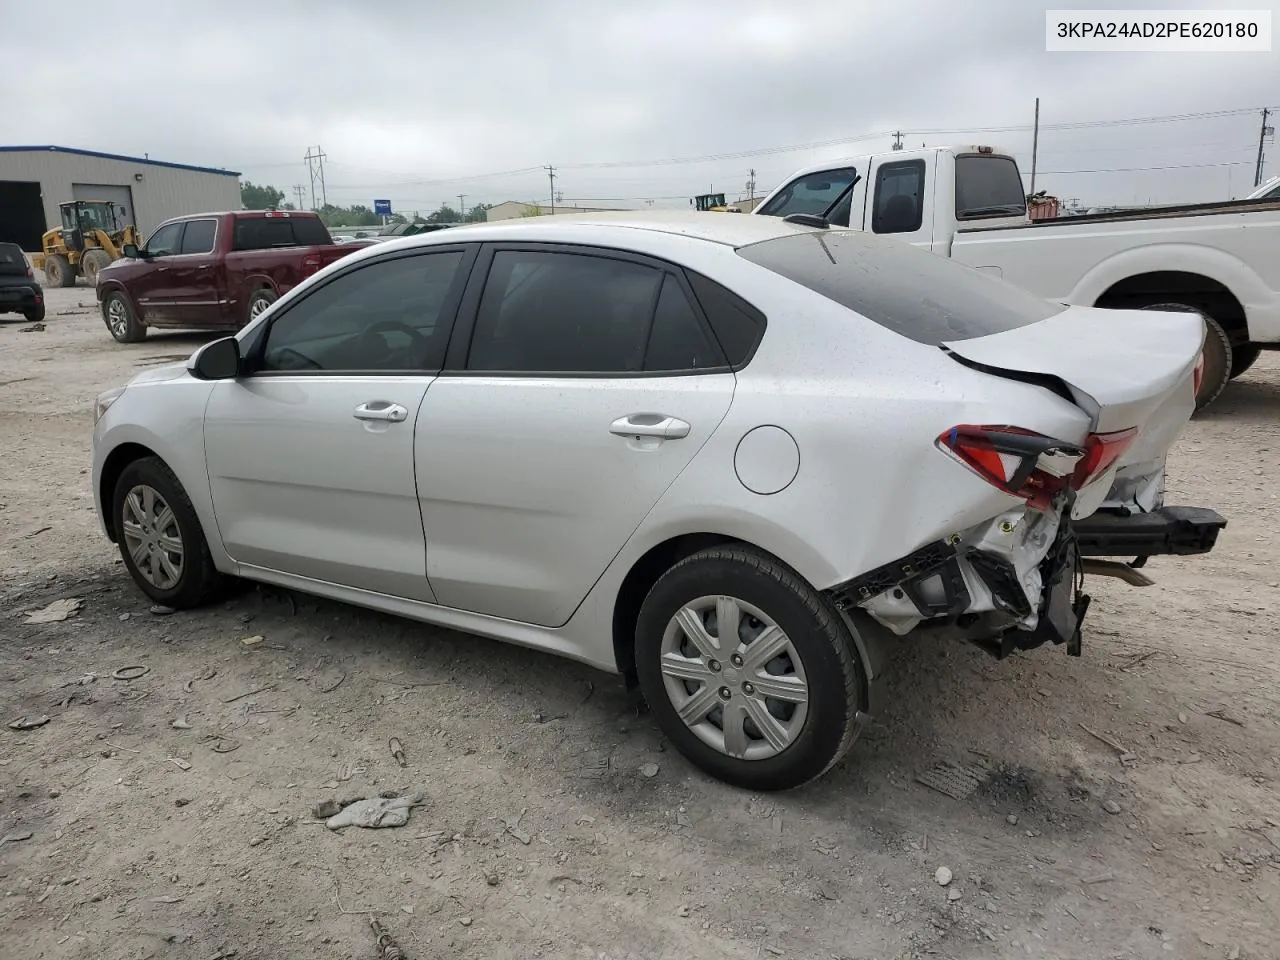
pixel 1243 357
pixel 749 671
pixel 259 300
pixel 58 271
pixel 121 321
pixel 1218 357
pixel 92 262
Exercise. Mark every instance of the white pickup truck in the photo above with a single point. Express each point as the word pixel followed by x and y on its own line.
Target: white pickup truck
pixel 968 203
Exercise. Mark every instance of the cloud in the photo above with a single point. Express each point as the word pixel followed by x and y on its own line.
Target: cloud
pixel 413 100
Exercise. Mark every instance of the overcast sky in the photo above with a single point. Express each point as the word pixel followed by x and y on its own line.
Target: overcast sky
pixel 419 101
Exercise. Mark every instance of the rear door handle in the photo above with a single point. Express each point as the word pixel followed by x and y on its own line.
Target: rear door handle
pixel 650 425
pixel 382 410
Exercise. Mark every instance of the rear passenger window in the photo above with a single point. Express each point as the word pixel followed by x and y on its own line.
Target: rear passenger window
pixel 678 340
pixel 737 325
pixel 263 233
pixel 899 188
pixel 563 313
pixel 198 237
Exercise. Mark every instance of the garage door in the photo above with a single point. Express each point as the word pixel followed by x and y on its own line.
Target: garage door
pixel 119 195
pixel 21 214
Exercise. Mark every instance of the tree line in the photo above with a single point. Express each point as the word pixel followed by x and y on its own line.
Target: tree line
pixel 255 196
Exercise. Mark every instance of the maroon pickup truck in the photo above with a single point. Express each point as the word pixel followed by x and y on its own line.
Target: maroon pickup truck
pixel 212 271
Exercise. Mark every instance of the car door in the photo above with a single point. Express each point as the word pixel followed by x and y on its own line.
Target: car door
pixel 580 383
pixel 901 206
pixel 197 298
pixel 152 289
pixel 310 453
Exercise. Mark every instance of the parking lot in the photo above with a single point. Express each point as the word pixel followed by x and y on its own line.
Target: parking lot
pixel 1126 802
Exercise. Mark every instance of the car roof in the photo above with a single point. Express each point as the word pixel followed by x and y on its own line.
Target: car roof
pixel 728 229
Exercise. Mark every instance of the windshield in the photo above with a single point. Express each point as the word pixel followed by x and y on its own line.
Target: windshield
pixel 988 186
pixel 917 294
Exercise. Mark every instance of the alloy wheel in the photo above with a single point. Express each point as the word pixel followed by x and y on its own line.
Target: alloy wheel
pixel 117 317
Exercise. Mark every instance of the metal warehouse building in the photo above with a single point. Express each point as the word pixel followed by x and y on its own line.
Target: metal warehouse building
pixel 34 180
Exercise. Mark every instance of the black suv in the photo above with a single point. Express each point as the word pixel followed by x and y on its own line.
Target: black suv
pixel 19 292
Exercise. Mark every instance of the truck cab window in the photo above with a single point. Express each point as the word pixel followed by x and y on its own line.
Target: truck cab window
pixel 988 186
pixel 811 193
pixel 899 192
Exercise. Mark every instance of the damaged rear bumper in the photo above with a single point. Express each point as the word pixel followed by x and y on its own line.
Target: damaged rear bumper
pixel 1015 583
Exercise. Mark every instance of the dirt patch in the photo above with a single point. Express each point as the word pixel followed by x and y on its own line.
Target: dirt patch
pixel 541 834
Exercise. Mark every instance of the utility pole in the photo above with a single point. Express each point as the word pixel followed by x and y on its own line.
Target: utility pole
pixel 298 192
pixel 1035 147
pixel 751 186
pixel 315 167
pixel 462 206
pixel 897 140
pixel 1262 136
pixel 551 175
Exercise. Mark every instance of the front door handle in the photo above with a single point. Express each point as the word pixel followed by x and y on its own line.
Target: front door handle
pixel 650 425
pixel 381 410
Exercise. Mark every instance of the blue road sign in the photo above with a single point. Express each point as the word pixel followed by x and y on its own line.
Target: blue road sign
pixel 382 208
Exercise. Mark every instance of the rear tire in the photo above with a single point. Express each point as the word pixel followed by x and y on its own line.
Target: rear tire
pixel 259 300
pixel 35 314
pixel 122 323
pixel 160 538
pixel 92 262
pixel 58 271
pixel 1218 354
pixel 1243 357
pixel 736 731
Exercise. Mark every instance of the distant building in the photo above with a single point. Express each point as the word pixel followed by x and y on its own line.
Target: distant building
pixel 511 209
pixel 34 180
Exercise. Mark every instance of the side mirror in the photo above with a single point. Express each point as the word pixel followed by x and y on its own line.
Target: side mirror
pixel 131 251
pixel 219 360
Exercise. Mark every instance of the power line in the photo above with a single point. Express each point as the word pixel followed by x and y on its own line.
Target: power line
pixel 1176 166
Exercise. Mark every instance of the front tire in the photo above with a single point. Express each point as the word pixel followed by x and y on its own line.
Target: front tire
pixel 160 538
pixel 92 262
pixel 121 321
pixel 58 271
pixel 773 704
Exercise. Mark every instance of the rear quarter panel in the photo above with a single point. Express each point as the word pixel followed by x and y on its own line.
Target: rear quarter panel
pixel 1078 263
pixel 864 407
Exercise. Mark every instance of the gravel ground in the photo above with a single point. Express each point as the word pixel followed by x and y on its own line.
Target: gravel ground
pixel 170 816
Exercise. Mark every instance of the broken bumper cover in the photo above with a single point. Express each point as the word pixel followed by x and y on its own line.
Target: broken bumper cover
pixel 1168 531
pixel 1011 584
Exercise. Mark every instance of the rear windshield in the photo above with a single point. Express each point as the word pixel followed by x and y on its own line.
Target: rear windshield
pixel 988 186
pixel 920 295
pixel 12 260
pixel 264 233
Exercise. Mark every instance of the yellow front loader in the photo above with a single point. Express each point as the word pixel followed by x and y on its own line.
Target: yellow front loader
pixel 92 235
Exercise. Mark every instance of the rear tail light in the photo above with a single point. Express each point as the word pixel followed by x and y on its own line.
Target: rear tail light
pixel 29 273
pixel 1102 450
pixel 1030 465
pixel 1197 375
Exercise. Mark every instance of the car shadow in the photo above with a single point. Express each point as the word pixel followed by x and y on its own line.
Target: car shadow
pixel 1248 399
